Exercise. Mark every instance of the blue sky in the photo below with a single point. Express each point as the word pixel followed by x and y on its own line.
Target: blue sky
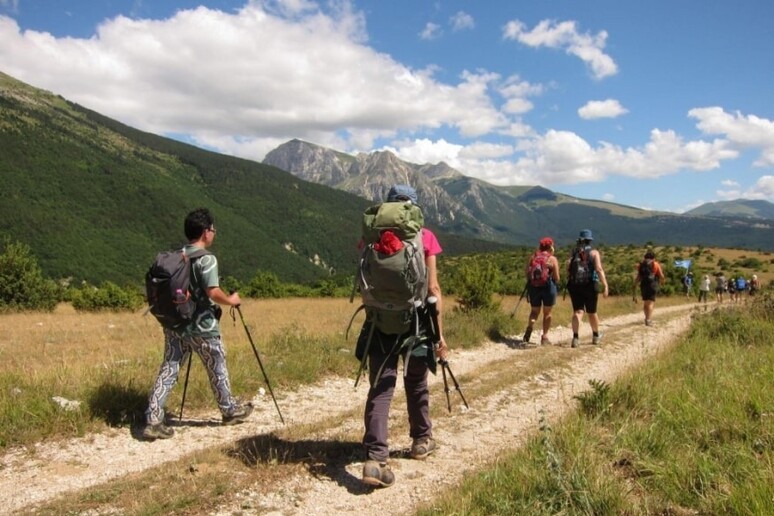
pixel 662 104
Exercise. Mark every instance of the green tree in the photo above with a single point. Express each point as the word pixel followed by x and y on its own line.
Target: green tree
pixel 22 284
pixel 477 281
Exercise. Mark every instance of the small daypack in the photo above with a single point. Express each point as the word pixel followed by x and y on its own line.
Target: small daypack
pixel 741 284
pixel 168 288
pixel 647 274
pixel 581 270
pixel 392 275
pixel 537 270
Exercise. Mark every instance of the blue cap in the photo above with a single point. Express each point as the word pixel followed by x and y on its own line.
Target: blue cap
pixel 585 234
pixel 402 193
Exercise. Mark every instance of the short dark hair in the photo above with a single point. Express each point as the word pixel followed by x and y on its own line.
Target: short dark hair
pixel 196 222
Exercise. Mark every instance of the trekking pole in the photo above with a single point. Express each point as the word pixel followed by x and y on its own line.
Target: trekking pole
pixel 185 385
pixel 435 336
pixel 523 293
pixel 257 356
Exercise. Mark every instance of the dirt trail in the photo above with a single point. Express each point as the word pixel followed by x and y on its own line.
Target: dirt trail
pixel 467 439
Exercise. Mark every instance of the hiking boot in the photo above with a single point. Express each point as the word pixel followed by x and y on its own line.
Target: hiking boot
pixel 575 342
pixel 157 431
pixel 596 339
pixel 421 448
pixel 527 335
pixel 544 341
pixel 241 412
pixel 377 474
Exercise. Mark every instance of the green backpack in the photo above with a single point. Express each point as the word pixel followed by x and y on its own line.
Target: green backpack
pixel 392 282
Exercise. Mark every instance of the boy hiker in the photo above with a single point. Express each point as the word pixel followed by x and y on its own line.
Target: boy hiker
pixel 383 339
pixel 542 278
pixel 585 279
pixel 201 335
pixel 650 277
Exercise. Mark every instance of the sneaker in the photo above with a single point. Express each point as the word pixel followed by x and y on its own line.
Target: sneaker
pixel 421 448
pixel 158 431
pixel 544 341
pixel 575 342
pixel 377 474
pixel 527 335
pixel 241 412
pixel 648 322
pixel 596 339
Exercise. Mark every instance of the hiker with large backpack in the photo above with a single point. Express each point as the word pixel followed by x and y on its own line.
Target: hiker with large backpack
pixel 585 281
pixel 649 277
pixel 184 293
pixel 396 275
pixel 542 279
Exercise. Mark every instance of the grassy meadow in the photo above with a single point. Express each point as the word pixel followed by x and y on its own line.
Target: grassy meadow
pixel 107 361
pixel 690 432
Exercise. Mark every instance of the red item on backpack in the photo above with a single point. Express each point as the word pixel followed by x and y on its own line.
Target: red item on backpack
pixel 388 243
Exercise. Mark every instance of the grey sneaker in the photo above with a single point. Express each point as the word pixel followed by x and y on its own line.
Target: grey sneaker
pixel 575 342
pixel 648 322
pixel 158 431
pixel 421 448
pixel 377 474
pixel 241 412
pixel 596 339
pixel 545 341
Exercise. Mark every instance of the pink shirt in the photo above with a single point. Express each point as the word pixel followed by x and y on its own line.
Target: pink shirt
pixel 430 243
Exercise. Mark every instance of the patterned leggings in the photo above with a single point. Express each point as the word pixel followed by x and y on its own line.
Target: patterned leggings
pixel 176 348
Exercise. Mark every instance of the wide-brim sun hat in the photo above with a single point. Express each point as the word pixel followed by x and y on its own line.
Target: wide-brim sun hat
pixel 402 193
pixel 585 234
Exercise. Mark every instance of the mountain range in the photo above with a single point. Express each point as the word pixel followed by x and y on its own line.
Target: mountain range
pixel 520 215
pixel 95 200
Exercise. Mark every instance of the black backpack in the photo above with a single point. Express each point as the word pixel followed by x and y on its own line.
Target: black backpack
pixel 168 288
pixel 581 270
pixel 647 275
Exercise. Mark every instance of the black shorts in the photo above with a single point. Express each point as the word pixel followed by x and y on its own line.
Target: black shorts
pixel 584 297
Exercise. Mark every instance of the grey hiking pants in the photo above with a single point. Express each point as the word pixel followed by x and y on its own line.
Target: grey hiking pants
pixel 213 355
pixel 380 394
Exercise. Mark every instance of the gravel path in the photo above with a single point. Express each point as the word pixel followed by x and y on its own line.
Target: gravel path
pixel 468 439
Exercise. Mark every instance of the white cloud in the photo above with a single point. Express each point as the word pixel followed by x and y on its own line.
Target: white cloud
pixel 251 78
pixel 461 21
pixel 609 108
pixel 589 48
pixel 742 131
pixel 729 183
pixel 431 31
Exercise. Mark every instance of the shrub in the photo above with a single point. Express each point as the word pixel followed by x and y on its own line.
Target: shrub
pixel 108 296
pixel 22 285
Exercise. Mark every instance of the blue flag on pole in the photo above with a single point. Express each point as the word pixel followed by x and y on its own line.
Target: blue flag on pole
pixel 685 264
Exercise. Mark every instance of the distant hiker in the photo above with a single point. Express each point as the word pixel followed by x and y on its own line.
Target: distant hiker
pixel 755 285
pixel 704 288
pixel 731 289
pixel 650 277
pixel 385 338
pixel 720 286
pixel 688 284
pixel 201 335
pixel 542 279
pixel 585 280
pixel 741 288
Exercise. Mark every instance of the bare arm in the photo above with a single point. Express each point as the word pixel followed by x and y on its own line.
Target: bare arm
pixel 434 289
pixel 600 271
pixel 220 297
